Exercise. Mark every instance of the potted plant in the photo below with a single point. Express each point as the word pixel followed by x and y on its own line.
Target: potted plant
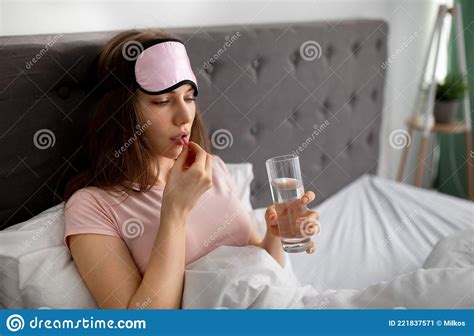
pixel 448 96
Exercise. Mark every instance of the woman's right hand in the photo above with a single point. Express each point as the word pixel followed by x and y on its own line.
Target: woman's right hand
pixel 187 180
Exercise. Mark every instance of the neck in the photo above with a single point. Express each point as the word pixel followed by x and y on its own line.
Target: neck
pixel 162 168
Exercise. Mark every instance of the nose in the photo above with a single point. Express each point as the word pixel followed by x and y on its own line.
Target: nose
pixel 184 111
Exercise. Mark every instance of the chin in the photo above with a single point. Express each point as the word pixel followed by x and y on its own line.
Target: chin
pixel 173 153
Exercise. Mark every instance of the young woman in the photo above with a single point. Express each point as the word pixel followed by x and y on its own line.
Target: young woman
pixel 153 198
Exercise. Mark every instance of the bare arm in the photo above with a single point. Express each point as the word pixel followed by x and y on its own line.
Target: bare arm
pixel 112 277
pixel 162 284
pixel 107 267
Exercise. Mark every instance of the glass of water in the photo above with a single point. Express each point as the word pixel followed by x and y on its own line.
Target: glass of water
pixel 284 176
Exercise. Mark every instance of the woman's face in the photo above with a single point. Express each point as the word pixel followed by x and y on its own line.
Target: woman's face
pixel 168 115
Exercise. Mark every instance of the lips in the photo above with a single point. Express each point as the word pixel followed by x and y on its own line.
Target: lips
pixel 180 136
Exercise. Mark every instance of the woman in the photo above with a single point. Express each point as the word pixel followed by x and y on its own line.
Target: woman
pixel 152 198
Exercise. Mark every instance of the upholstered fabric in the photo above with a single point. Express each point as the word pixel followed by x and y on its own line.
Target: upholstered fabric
pixel 261 95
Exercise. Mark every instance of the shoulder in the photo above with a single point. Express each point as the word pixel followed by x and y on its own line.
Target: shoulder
pixel 86 211
pixel 87 194
pixel 89 198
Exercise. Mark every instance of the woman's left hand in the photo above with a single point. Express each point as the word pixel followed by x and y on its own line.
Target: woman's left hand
pixel 310 221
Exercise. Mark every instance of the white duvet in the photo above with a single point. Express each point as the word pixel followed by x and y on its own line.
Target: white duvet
pixel 249 278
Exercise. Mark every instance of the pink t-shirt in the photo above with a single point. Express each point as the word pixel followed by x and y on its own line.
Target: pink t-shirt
pixel 218 217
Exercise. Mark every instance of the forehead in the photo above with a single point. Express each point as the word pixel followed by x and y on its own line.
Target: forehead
pixel 182 89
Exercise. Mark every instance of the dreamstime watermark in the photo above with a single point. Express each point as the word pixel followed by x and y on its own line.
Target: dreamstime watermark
pixel 399 139
pixel 317 130
pixel 222 139
pixel 307 227
pixel 44 138
pixel 227 44
pixel 400 228
pixel 310 50
pixel 143 305
pixel 131 50
pixel 221 227
pixel 399 50
pixel 133 228
pixel 140 130
pixel 323 304
pixel 16 322
pixel 27 243
pixel 52 41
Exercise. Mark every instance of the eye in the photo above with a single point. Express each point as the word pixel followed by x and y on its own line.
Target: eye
pixel 164 102
pixel 190 99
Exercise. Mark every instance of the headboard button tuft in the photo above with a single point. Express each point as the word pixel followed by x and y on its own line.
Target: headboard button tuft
pixel 378 44
pixel 254 129
pixel 63 92
pixel 355 48
pixel 329 51
pixel 370 137
pixel 256 63
pixel 373 95
pixel 353 99
pixel 294 116
pixel 327 105
pixel 349 144
pixel 323 159
pixel 294 57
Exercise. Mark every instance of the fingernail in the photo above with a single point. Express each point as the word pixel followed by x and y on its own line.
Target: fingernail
pixel 305 200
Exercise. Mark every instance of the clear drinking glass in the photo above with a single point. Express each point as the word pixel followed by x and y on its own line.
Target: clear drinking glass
pixel 284 176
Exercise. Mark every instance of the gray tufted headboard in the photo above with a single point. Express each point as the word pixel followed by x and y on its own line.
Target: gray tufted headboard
pixel 261 93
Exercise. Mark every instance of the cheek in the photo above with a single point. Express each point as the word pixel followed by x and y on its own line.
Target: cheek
pixel 158 117
pixel 157 131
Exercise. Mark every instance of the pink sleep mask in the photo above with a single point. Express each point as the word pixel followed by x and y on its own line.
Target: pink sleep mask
pixel 163 66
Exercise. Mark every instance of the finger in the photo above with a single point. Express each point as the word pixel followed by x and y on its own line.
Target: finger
pixel 271 214
pixel 312 214
pixel 209 165
pixel 191 156
pixel 200 156
pixel 301 203
pixel 274 230
pixel 181 159
pixel 313 217
pixel 312 228
pixel 308 226
pixel 312 248
pixel 308 197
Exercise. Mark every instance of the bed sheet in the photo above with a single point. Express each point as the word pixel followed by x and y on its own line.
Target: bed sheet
pixel 375 229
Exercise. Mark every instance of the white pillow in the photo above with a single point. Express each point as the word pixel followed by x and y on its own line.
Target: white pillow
pixel 242 174
pixel 36 268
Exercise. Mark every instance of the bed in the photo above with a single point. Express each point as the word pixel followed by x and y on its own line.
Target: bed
pixel 376 229
pixel 263 95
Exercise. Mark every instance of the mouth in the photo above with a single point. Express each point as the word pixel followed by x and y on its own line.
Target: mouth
pixel 181 140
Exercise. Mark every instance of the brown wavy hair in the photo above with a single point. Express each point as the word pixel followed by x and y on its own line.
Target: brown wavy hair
pixel 116 121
